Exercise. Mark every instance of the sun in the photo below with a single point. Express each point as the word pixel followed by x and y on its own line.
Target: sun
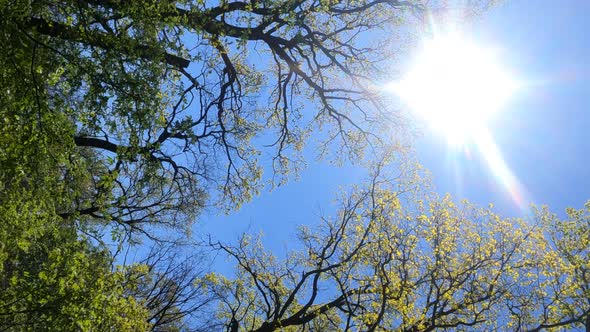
pixel 455 85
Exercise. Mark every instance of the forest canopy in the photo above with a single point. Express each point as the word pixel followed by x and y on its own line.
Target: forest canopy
pixel 122 121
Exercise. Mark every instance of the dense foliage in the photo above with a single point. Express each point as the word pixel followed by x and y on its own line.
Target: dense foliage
pixel 52 276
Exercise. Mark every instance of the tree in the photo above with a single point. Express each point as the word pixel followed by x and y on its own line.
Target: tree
pixel 53 275
pixel 165 282
pixel 570 239
pixel 173 107
pixel 554 290
pixel 119 114
pixel 400 259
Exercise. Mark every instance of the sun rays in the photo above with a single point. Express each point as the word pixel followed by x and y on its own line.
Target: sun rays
pixel 456 86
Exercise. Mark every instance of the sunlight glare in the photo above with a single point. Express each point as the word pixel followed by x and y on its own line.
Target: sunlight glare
pixel 455 86
pixel 501 171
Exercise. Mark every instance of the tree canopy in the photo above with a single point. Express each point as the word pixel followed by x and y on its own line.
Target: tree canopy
pixel 398 258
pixel 122 120
pixel 172 106
pixel 52 275
pixel 121 114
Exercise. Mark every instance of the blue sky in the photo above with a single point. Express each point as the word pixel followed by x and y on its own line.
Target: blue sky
pixel 542 132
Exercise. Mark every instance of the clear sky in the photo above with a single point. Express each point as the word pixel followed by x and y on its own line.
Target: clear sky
pixel 542 132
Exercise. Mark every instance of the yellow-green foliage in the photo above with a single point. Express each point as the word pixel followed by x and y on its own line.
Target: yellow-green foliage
pixel 403 259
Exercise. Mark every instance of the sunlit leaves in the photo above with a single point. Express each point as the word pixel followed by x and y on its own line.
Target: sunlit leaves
pixel 399 262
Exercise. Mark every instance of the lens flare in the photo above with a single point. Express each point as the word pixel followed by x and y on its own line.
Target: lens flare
pixel 493 157
pixel 455 86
